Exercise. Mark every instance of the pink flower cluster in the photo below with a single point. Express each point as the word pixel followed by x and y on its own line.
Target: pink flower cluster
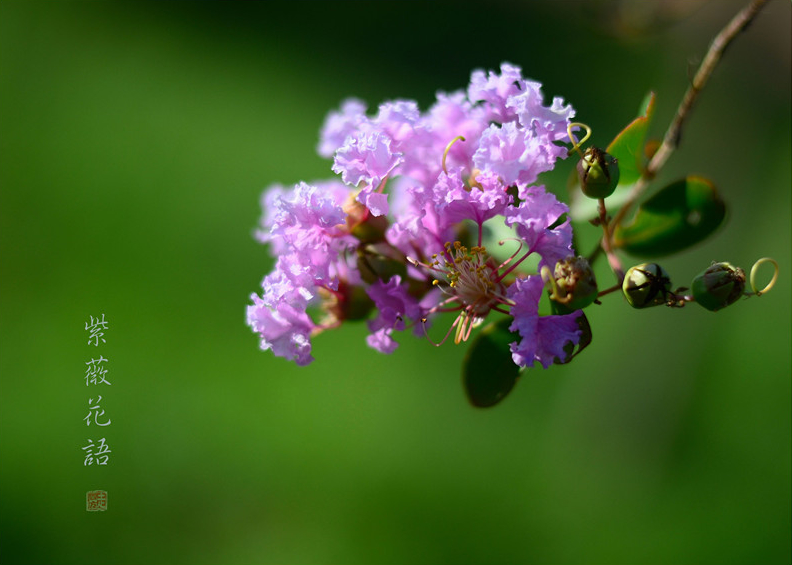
pixel 398 237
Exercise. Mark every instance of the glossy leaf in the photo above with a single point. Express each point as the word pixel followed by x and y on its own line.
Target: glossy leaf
pixel 680 215
pixel 628 146
pixel 488 372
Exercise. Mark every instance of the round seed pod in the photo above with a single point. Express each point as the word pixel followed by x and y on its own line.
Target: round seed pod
pixel 598 172
pixel 576 284
pixel 719 286
pixel 645 285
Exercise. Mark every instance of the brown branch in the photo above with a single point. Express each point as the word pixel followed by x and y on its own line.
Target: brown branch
pixel 674 133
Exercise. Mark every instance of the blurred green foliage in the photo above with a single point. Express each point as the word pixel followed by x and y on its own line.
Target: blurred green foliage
pixel 136 138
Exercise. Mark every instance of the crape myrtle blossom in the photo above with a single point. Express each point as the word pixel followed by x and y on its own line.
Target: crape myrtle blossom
pixel 367 160
pixel 398 238
pixel 543 337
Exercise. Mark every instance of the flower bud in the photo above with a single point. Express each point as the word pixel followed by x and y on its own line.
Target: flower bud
pixel 575 283
pixel 374 266
pixel 646 285
pixel 349 302
pixel 720 285
pixel 598 173
pixel 362 225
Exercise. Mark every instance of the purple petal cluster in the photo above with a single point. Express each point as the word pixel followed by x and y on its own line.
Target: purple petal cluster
pixel 304 228
pixel 408 181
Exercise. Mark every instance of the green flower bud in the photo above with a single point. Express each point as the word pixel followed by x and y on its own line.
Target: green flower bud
pixel 646 285
pixel 720 285
pixel 598 173
pixel 576 286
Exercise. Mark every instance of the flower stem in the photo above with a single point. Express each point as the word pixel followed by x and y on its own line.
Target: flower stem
pixel 613 260
pixel 614 288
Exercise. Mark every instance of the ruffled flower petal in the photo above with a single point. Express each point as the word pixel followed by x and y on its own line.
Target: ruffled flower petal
pixel 339 125
pixel 305 226
pixel 456 202
pixel 532 219
pixel 543 121
pixel 553 334
pixel 542 337
pixel 367 160
pixel 279 317
pixel 395 305
pixel 513 153
pixel 495 90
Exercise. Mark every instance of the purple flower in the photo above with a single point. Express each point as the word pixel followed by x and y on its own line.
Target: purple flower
pixel 367 159
pixel 339 125
pixel 547 122
pixel 532 219
pixel 306 226
pixel 457 202
pixel 394 304
pixel 543 338
pixel 280 318
pixel 450 117
pixel 513 153
pixel 382 243
pixel 269 206
pixel 553 334
pixel 285 330
pixel 496 89
pixel 399 121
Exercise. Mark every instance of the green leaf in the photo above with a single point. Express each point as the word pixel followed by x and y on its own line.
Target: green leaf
pixel 680 215
pixel 628 146
pixel 488 372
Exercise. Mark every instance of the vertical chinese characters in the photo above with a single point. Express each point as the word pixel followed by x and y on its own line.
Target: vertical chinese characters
pixel 97 451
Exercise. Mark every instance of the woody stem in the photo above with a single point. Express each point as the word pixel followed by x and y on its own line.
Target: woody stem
pixel 674 132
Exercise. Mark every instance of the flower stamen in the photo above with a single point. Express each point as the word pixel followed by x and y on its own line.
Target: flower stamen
pixel 448 148
pixel 471 281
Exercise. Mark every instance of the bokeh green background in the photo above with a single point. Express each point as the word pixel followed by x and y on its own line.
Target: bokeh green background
pixel 135 141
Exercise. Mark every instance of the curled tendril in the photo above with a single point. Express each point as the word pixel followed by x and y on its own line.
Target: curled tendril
pixel 448 148
pixel 755 269
pixel 576 144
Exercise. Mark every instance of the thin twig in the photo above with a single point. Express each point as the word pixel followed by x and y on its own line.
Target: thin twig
pixel 613 288
pixel 674 133
pixel 613 260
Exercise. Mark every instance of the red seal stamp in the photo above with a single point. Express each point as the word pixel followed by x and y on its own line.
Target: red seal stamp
pixel 96 500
